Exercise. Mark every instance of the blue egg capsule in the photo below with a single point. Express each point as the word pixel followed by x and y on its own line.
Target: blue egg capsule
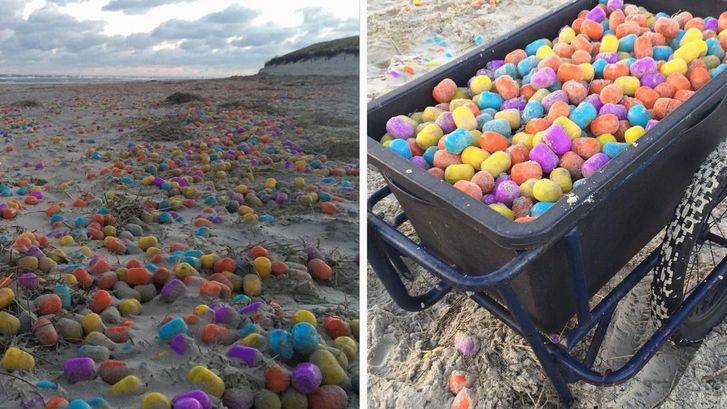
pixel 429 155
pixel 401 147
pixel 64 293
pixel 172 328
pixel 489 99
pixel 527 65
pixel 714 48
pixel 532 110
pixel 507 69
pixel 165 218
pixel 720 69
pixel 532 48
pixel 613 149
pixel 626 43
pixel 501 126
pixel 662 52
pixel 483 117
pixel 540 208
pixel 598 66
pixel 44 384
pixel 583 114
pixel 638 115
pixel 280 343
pixel 456 141
pixel 305 338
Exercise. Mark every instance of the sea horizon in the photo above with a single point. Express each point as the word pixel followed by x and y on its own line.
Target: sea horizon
pixel 11 79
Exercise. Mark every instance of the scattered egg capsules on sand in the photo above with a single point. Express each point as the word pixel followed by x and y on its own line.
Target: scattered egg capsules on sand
pixel 529 128
pixel 304 359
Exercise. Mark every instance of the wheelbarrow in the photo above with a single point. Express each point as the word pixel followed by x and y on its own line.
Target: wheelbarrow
pixel 539 277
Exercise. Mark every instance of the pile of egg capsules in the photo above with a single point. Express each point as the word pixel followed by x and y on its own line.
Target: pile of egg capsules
pixel 528 129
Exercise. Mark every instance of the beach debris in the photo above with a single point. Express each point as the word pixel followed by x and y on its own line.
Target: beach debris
pixel 466 344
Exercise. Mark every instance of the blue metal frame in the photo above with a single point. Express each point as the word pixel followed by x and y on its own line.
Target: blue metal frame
pixel 387 246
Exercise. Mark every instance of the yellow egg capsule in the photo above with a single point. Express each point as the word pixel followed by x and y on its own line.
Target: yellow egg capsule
pixel 15 359
pixel 206 380
pixel 129 385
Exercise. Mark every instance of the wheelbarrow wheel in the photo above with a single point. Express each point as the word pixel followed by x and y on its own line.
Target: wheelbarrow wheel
pixel 687 255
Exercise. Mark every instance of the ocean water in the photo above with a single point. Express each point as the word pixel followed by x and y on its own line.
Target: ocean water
pixel 69 79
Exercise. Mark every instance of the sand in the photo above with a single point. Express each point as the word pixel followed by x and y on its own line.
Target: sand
pixel 411 355
pixel 401 37
pixel 114 115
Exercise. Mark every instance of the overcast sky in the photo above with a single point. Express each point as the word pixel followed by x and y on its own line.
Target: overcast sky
pixel 201 38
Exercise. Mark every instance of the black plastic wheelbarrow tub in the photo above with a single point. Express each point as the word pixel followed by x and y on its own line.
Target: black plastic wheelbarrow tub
pixel 618 210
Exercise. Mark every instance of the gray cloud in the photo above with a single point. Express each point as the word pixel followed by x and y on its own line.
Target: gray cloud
pixel 51 42
pixel 135 6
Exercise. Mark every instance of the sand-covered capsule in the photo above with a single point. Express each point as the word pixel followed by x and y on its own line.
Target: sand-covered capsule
pixel 97 338
pixel 173 290
pixel 45 332
pixel 328 397
pixel 251 285
pixel 262 267
pixel 280 343
pixel 207 380
pixel 277 378
pixel 254 340
pixel 9 324
pixel 27 263
pixel 15 359
pixel 182 400
pixel 250 356
pixel 98 353
pixel 185 269
pixel 7 297
pixel 292 399
pixel 155 400
pixel 238 398
pixel 46 264
pixel 78 404
pixel 48 304
pixel 130 385
pixel 146 242
pixel 265 399
pixel 306 377
pixel 130 306
pixel 459 380
pixel 305 338
pixel 79 369
pixel 112 371
pixel 171 328
pixel 91 322
pixel 319 270
pixel 70 330
pixel 347 345
pixel 304 316
pixel 336 327
pixel 147 292
pixel 332 372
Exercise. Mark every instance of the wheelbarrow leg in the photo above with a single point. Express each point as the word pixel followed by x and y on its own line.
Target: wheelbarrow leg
pixel 535 340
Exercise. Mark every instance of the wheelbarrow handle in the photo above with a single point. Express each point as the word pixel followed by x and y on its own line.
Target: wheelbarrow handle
pixel 379 230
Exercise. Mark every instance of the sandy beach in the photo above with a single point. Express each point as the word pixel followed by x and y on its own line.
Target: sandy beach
pixel 411 355
pixel 89 148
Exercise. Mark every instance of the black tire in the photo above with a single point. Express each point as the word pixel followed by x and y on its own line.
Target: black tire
pixel 702 208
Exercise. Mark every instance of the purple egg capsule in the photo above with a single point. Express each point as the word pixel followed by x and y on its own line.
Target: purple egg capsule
pixel 545 157
pixel 557 139
pixel 306 378
pixel 506 192
pixel 79 369
pixel 593 164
